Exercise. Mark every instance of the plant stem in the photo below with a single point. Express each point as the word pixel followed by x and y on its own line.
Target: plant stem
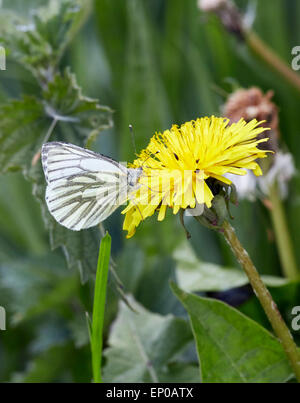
pixel 283 240
pixel 270 57
pixel 50 130
pixel 280 328
pixel 99 307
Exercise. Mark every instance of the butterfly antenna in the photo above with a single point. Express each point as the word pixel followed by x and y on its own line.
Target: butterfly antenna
pixel 132 138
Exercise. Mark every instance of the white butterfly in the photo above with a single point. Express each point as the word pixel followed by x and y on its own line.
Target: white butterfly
pixel 83 187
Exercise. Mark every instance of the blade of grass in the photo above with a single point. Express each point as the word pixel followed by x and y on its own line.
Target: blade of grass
pixel 99 306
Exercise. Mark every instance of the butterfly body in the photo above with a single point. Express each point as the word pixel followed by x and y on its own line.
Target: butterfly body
pixel 83 187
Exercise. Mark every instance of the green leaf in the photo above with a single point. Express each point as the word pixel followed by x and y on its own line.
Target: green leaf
pixel 23 126
pixel 147 278
pixel 64 101
pixel 44 279
pixel 143 345
pixel 195 275
pixel 39 43
pixel 46 366
pixel 24 123
pixel 180 372
pixel 80 247
pixel 20 219
pixel 231 347
pixel 99 306
pixel 79 328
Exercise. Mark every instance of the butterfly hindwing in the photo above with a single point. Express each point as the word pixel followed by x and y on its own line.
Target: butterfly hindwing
pixel 84 187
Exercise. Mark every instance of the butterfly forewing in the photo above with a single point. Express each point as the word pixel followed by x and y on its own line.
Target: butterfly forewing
pixel 84 187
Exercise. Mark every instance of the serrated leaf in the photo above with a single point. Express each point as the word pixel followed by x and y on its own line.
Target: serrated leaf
pixel 25 122
pixel 195 275
pixel 231 347
pixel 64 101
pixel 142 346
pixel 81 247
pixel 23 126
pixel 39 43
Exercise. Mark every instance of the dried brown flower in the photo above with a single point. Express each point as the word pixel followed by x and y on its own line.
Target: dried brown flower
pixel 227 12
pixel 251 104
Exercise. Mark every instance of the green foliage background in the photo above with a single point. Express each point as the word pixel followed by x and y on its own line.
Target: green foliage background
pixel 150 63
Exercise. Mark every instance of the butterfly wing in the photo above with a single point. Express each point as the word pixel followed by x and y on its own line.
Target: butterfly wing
pixel 83 187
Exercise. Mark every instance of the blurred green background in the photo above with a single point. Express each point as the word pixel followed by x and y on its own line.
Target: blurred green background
pixel 155 63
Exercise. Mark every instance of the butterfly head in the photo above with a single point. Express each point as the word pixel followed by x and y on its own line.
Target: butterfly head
pixel 134 175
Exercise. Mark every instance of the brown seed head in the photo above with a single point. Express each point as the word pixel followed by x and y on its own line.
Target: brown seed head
pixel 251 104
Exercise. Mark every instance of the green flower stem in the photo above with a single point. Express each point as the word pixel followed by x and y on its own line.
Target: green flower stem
pixel 280 328
pixel 283 240
pixel 259 47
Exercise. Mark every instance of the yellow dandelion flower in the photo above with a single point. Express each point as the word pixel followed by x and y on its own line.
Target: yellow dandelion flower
pixel 178 163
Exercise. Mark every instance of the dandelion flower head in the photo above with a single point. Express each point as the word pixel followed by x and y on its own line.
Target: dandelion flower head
pixel 178 163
